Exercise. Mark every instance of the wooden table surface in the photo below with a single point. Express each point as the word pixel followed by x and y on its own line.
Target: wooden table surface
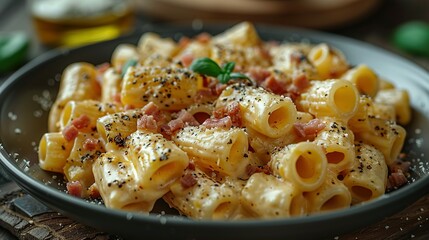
pixel 411 223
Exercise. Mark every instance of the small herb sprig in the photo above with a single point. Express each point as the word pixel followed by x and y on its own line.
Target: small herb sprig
pixel 129 63
pixel 209 67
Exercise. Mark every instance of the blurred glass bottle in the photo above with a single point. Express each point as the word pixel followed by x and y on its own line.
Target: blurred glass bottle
pixel 77 22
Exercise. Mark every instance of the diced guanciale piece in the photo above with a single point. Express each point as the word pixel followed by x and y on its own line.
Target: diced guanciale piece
pixel 75 188
pixel 224 122
pixel 188 180
pixel 70 133
pixel 310 129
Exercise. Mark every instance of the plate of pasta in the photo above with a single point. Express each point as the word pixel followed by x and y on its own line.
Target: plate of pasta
pixel 220 132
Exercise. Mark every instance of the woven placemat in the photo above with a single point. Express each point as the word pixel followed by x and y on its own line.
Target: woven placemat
pixel 26 218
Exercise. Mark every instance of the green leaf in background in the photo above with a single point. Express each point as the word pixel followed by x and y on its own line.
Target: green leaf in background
pixel 413 37
pixel 13 50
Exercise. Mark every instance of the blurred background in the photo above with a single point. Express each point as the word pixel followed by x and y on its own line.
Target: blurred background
pixel 28 28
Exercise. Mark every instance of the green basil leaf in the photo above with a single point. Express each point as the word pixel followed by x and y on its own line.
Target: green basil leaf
pixel 242 76
pixel 206 66
pixel 223 77
pixel 239 75
pixel 229 67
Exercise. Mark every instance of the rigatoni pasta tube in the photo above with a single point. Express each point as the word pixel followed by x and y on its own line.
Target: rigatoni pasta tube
pixel 90 108
pixel 54 150
pixel 157 60
pixel 331 195
pixel 291 58
pixel 386 84
pixel 266 196
pixel 243 34
pixel 303 163
pixel 111 90
pixel 243 57
pixel 216 148
pixel 206 199
pixel 78 82
pixel 152 44
pixel 400 100
pixel 158 161
pixel 169 88
pixel 114 128
pixel 329 62
pixel 304 117
pixel 383 111
pixel 386 136
pixel 194 49
pixel 86 149
pixel 364 78
pixel 270 114
pixel 337 140
pixel 283 56
pixel 330 98
pixel 264 146
pixel 368 177
pixel 119 184
pixel 123 53
pixel 360 121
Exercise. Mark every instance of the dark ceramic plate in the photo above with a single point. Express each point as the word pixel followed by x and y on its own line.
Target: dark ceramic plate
pixel 24 98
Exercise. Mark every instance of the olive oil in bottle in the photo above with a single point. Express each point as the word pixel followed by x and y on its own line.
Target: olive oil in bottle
pixel 77 22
